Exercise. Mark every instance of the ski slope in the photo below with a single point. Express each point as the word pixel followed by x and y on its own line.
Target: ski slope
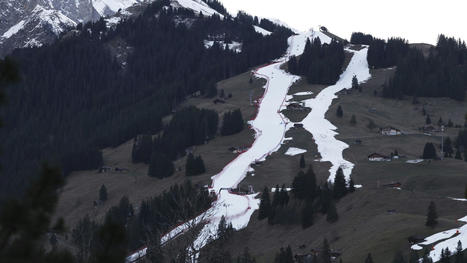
pixel 270 127
pixel 323 131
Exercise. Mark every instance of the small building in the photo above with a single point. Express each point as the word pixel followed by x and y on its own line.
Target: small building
pixel 376 157
pixel 390 131
pixel 296 106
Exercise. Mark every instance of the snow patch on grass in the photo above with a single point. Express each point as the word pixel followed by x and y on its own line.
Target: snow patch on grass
pixel 292 151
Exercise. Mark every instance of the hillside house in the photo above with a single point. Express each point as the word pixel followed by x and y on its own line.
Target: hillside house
pixel 376 157
pixel 390 131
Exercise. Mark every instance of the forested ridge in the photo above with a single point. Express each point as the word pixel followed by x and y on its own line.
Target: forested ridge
pixel 442 73
pixel 78 96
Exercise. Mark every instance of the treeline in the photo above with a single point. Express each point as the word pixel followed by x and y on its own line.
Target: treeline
pixel 99 87
pixel 383 54
pixel 320 63
pixel 155 217
pixel 232 123
pixel 359 38
pixel 188 127
pixel 309 199
pixel 442 74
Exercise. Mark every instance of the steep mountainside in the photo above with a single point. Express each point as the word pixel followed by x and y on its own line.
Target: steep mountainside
pixel 27 23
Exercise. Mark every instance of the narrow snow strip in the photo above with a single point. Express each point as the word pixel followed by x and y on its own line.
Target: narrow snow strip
pixel 14 29
pixel 292 151
pixel 303 93
pixel 458 199
pixel 137 255
pixel 262 31
pixel 323 131
pixel 415 161
pixel 270 127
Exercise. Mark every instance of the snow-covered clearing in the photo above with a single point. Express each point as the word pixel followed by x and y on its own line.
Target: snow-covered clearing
pixel 270 127
pixel 273 189
pixel 262 31
pixel 322 130
pixel 14 29
pixel 292 151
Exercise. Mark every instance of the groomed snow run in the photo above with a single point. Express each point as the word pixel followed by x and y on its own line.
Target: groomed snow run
pixel 322 130
pixel 270 127
pixel 262 31
pixel 292 151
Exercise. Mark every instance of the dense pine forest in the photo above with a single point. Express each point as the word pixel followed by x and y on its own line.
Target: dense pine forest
pixel 442 73
pixel 320 63
pixel 98 87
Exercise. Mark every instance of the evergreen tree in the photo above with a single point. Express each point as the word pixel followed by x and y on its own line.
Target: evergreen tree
pixel 325 198
pixel 307 213
pixel 458 155
pixel 354 82
pixel 369 258
pixel 232 123
pixel 429 152
pixel 351 186
pixel 110 243
pixel 194 165
pixel 304 184
pixel 302 161
pixel 353 120
pixel 332 213
pixel 448 150
pixel 339 112
pixel 246 257
pixel 284 196
pixel 103 193
pixel 160 166
pixel 265 205
pixel 432 216
pixel 398 258
pixel 428 120
pixel 459 258
pixel 450 124
pixel 414 257
pixel 326 252
pixel 24 223
pixel 276 197
pixel 440 121
pixel 339 186
pixel 142 148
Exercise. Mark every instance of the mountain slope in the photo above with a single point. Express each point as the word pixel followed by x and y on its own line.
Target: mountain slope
pixel 38 22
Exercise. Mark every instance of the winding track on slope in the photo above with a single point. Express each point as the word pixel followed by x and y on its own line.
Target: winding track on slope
pixel 270 126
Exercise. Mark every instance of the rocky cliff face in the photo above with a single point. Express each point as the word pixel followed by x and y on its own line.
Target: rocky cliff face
pixel 26 23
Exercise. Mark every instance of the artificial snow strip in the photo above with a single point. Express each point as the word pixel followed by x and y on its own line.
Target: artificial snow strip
pixel 270 127
pixel 322 130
